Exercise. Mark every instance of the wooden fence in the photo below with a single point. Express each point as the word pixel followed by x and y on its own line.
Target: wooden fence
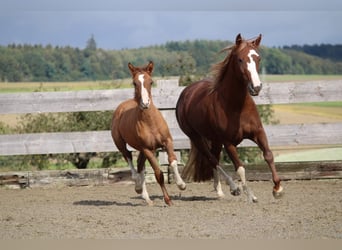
pixel 165 96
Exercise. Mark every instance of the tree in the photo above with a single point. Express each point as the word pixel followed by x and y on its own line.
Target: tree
pixel 91 43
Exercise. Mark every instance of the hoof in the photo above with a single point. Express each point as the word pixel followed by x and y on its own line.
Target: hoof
pixel 168 202
pixel 182 186
pixel 138 190
pixel 277 194
pixel 220 195
pixel 235 192
pixel 149 203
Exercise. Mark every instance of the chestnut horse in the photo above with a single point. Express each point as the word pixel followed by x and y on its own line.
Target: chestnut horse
pixel 138 123
pixel 220 112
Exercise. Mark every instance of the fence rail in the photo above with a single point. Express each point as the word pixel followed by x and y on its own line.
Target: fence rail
pixel 165 96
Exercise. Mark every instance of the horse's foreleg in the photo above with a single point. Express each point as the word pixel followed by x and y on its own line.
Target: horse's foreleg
pixel 158 174
pixel 232 152
pixel 261 141
pixel 245 188
pixel 174 165
pixel 140 184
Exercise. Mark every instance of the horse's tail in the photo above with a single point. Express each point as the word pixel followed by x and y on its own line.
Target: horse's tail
pixel 198 167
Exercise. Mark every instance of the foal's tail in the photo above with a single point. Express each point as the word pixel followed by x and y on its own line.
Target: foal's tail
pixel 198 168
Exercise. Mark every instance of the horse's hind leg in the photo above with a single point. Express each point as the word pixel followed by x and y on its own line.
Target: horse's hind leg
pixel 174 164
pixel 216 150
pixel 231 150
pixel 158 174
pixel 203 147
pixel 140 184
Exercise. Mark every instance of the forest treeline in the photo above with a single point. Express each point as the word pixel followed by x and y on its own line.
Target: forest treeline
pixel 23 62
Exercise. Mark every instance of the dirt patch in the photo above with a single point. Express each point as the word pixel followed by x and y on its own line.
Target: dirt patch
pixel 309 210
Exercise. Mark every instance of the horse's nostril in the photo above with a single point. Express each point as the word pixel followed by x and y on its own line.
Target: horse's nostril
pixel 254 91
pixel 144 105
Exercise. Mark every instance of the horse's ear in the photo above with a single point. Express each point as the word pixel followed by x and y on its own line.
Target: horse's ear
pixel 131 68
pixel 238 39
pixel 257 41
pixel 149 68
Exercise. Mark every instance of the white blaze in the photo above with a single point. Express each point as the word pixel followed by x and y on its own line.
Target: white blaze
pixel 144 94
pixel 251 66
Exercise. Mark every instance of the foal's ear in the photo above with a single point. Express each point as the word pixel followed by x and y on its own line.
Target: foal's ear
pixel 131 68
pixel 149 68
pixel 238 39
pixel 257 41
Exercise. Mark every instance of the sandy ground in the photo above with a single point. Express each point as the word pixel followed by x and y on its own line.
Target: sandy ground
pixel 309 210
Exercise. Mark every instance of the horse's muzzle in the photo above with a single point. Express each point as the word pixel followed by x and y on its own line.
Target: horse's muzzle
pixel 254 91
pixel 144 105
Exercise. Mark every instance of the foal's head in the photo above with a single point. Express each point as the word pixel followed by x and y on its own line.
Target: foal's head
pixel 247 59
pixel 142 82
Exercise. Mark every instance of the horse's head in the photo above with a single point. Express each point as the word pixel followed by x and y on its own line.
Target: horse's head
pixel 247 60
pixel 142 80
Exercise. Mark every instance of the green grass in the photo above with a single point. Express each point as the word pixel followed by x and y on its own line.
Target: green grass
pixel 16 87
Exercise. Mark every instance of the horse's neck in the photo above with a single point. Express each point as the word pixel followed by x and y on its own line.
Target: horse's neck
pixel 231 91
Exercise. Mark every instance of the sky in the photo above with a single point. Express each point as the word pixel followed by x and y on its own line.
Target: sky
pixel 138 23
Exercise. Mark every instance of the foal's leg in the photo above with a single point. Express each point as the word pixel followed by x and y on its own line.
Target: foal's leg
pixel 174 164
pixel 140 184
pixel 158 174
pixel 121 145
pixel 261 141
pixel 231 150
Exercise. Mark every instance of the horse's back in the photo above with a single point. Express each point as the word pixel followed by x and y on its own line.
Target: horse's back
pixel 192 103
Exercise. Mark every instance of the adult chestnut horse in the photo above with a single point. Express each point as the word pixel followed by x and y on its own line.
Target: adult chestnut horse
pixel 138 123
pixel 220 112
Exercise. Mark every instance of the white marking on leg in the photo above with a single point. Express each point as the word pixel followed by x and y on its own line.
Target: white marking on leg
pixel 217 184
pixel 241 172
pixel 250 196
pixel 179 181
pixel 251 66
pixel 144 193
pixel 145 99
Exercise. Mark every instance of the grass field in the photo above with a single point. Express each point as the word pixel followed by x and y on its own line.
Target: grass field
pixel 13 87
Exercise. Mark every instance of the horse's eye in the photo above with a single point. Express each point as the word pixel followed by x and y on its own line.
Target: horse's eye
pixel 240 60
